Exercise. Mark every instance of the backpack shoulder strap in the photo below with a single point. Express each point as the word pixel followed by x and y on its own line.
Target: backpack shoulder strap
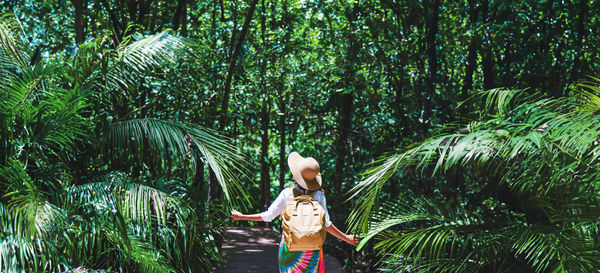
pixel 295 193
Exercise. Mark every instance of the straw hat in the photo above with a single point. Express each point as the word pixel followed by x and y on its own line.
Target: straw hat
pixel 305 171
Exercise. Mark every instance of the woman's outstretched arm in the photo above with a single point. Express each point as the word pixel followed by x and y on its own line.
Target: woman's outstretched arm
pixel 353 240
pixel 236 216
pixel 274 210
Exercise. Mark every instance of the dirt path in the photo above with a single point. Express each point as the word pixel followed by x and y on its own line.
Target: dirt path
pixel 254 250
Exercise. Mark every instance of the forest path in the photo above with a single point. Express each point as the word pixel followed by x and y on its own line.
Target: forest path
pixel 254 250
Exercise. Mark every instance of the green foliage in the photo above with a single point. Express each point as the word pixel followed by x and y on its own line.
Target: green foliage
pixel 536 158
pixel 58 213
pixel 343 81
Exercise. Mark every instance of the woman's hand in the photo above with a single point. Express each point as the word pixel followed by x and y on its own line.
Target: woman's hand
pixel 352 239
pixel 236 215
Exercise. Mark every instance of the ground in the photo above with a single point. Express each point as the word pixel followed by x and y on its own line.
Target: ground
pixel 254 250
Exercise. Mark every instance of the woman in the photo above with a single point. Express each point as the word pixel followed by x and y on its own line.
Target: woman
pixel 306 173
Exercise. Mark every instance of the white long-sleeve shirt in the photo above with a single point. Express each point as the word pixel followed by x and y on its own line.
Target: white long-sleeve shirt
pixel 287 194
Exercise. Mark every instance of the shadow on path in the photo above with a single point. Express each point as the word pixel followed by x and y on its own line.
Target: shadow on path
pixel 254 250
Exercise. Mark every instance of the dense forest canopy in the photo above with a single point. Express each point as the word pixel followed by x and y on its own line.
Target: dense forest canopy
pixel 129 128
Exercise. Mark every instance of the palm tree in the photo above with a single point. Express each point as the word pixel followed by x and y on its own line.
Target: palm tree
pixel 527 199
pixel 55 116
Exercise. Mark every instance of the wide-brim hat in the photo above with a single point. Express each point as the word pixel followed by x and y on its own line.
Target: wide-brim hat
pixel 305 171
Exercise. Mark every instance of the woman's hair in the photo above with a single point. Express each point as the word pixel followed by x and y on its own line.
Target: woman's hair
pixel 299 190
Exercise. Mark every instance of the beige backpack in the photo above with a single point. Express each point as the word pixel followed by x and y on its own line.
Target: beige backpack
pixel 303 224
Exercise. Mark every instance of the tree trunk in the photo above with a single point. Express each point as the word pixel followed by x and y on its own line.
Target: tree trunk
pixel 471 58
pixel 264 120
pixel 234 21
pixel 581 33
pixel 80 23
pixel 431 31
pixel 117 31
pixel 399 112
pixel 345 102
pixel 282 142
pixel 184 19
pixel 344 127
pixel 393 75
pixel 199 180
pixel 222 10
pixel 6 135
pixel 143 9
pixel 132 9
pixel 214 190
pixel 488 70
pixel 283 98
pixel 487 60
pixel 265 179
pixel 179 14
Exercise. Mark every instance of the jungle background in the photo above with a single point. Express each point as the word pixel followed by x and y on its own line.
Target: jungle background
pixel 130 128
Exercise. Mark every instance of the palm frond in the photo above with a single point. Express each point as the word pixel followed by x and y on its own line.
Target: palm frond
pixel 141 221
pixel 368 190
pixel 140 57
pixel 170 139
pixel 23 85
pixel 9 46
pixel 152 51
pixel 142 253
pixel 28 203
pixel 428 235
pixel 136 202
pixel 548 250
pixel 59 121
pixel 22 250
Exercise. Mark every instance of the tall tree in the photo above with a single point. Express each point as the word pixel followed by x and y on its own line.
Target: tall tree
pixel 265 178
pixel 472 55
pixel 432 8
pixel 117 27
pixel 80 22
pixel 284 94
pixel 282 139
pixel 215 190
pixel 581 31
pixel 488 57
pixel 180 17
pixel 345 100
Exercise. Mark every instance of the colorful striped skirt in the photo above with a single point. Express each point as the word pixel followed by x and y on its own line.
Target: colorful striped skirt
pixel 300 261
